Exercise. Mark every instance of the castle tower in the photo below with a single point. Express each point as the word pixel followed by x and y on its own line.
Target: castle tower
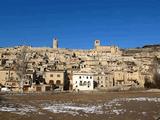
pixel 55 43
pixel 96 43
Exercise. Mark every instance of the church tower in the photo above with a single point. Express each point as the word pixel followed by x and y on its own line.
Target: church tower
pixel 96 43
pixel 55 43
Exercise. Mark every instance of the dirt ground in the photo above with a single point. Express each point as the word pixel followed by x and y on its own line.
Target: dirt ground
pixel 81 106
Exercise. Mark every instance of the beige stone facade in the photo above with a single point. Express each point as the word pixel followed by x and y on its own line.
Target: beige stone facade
pixel 10 79
pixel 110 65
pixel 54 77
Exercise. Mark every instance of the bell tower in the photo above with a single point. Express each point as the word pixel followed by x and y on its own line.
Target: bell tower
pixel 55 43
pixel 96 43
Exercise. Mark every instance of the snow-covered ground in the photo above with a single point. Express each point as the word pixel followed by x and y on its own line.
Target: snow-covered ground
pixel 139 99
pixel 73 109
pixel 113 107
pixel 17 108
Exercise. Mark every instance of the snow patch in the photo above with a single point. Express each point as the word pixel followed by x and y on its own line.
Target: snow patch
pixel 17 109
pixel 119 111
pixel 139 99
pixel 73 109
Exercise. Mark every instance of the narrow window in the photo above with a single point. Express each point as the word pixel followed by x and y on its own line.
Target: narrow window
pixel 80 83
pixel 84 83
pixel 51 75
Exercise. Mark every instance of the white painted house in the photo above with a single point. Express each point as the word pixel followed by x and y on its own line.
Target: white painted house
pixel 83 81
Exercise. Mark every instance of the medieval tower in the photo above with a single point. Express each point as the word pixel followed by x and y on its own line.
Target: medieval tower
pixel 96 43
pixel 55 43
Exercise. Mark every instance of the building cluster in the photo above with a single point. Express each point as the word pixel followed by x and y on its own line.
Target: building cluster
pixel 30 69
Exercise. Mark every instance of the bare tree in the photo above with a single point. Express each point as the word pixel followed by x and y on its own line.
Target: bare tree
pixel 156 74
pixel 154 70
pixel 23 57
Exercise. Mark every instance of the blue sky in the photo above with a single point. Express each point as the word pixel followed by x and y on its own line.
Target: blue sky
pixel 77 23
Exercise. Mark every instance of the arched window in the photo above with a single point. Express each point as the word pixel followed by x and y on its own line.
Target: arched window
pixel 58 82
pixel 51 82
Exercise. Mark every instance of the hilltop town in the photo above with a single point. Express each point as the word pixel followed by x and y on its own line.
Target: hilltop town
pixel 33 69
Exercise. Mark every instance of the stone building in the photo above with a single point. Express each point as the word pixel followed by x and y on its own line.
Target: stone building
pixel 57 78
pixel 110 66
pixel 9 79
pixel 83 81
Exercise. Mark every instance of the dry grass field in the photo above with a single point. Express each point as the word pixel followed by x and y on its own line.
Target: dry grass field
pixel 81 106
